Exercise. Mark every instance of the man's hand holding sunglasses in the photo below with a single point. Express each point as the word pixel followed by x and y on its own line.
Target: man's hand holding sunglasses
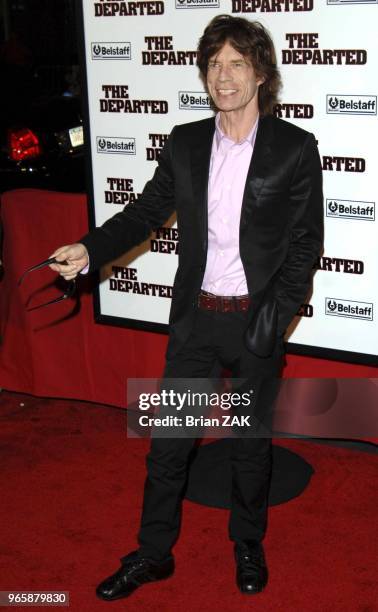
pixel 74 258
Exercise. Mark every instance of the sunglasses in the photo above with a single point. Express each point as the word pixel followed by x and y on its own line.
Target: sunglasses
pixel 70 285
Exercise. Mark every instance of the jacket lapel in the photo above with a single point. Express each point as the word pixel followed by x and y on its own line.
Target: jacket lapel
pixel 200 165
pixel 260 164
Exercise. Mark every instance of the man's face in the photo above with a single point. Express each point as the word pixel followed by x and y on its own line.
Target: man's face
pixel 231 81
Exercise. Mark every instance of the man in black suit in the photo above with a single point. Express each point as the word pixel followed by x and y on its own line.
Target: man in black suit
pixel 246 187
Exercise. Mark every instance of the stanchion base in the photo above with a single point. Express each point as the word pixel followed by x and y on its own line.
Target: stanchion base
pixel 209 481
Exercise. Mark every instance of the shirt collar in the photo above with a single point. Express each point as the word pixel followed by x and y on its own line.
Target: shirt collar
pixel 220 135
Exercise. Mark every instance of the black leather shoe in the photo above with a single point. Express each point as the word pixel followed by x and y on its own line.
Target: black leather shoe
pixel 134 572
pixel 251 569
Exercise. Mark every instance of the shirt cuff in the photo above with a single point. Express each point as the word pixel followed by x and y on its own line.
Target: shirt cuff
pixel 85 270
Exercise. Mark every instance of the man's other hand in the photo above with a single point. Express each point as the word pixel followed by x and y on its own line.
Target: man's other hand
pixel 74 258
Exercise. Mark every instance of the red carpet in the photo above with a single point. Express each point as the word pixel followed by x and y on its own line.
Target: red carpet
pixel 71 497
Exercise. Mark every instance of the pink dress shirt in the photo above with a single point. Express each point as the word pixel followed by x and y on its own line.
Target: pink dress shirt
pixel 229 163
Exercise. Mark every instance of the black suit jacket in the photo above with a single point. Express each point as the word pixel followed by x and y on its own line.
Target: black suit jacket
pixel 281 224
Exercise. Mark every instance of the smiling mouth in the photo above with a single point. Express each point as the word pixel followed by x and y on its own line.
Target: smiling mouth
pixel 226 92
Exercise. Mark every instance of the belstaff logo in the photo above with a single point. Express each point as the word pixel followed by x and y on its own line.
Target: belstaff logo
pixel 194 4
pixel 350 309
pixel 333 2
pixel 351 105
pixel 115 145
pixel 111 50
pixel 350 209
pixel 194 100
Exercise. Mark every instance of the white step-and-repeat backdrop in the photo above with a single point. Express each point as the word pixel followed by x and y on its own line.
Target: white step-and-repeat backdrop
pixel 142 80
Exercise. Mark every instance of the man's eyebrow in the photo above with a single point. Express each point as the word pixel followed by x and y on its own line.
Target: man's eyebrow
pixel 235 61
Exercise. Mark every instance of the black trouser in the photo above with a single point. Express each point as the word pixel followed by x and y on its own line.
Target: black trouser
pixel 215 337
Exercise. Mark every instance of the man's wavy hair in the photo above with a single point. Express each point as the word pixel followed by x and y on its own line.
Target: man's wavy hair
pixel 251 40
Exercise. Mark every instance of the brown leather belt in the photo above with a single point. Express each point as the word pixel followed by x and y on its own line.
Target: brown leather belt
pixel 223 303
